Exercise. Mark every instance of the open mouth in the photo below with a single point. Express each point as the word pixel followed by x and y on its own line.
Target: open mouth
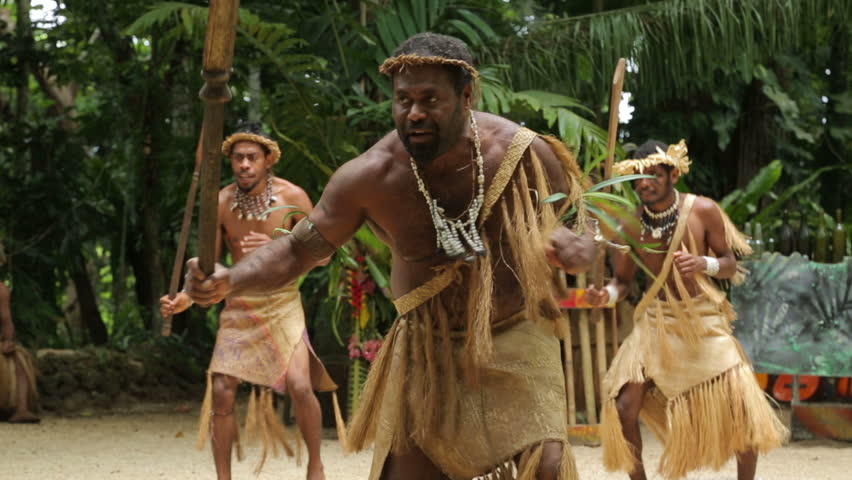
pixel 417 136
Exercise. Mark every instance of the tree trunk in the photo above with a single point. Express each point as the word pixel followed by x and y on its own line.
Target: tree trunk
pixel 24 32
pixel 149 218
pixel 88 302
pixel 834 194
pixel 753 147
pixel 142 275
pixel 254 93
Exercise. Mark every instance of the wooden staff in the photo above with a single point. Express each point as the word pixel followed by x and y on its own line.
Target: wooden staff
pixel 218 58
pixel 586 355
pixel 177 268
pixel 569 371
pixel 598 313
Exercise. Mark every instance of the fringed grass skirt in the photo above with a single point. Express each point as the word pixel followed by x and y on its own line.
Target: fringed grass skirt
pixel 706 405
pixel 481 427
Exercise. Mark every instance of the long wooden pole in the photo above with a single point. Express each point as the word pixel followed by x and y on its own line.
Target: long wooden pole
pixel 598 314
pixel 586 354
pixel 568 364
pixel 218 60
pixel 177 268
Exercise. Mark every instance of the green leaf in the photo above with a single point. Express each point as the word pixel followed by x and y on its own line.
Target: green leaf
pixel 730 198
pixel 388 41
pixel 769 211
pixel 617 180
pixel 610 197
pixel 377 274
pixel 747 202
pixel 406 19
pixel 418 10
pixel 435 11
pixel 555 197
pixel 470 33
pixel 478 22
pixel 274 209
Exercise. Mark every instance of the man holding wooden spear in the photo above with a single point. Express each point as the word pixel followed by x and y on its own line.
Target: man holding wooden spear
pixel 261 339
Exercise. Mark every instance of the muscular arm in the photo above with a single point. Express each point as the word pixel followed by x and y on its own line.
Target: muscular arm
pixel 573 253
pixel 304 204
pixel 710 215
pixel 625 271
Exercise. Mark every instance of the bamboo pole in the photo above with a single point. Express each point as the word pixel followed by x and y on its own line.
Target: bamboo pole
pixel 568 364
pixel 614 323
pixel 612 132
pixel 218 60
pixel 586 352
pixel 177 268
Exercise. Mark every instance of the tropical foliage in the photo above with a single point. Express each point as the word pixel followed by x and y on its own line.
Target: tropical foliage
pixel 100 117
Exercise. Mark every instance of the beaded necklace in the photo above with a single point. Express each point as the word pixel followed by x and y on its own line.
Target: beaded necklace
pixel 252 206
pixel 458 237
pixel 659 223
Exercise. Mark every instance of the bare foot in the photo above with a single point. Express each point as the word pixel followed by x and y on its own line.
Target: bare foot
pixel 315 471
pixel 24 417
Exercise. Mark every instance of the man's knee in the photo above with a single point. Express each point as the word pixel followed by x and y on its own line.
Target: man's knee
pixel 628 403
pixel 551 460
pixel 224 390
pixel 299 387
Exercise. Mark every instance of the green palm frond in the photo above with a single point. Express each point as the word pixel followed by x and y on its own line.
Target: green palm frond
pixel 676 44
pixel 189 19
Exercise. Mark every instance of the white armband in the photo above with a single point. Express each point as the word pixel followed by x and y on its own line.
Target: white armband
pixel 612 290
pixel 712 266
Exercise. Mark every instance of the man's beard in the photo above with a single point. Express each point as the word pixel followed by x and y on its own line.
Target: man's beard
pixel 442 141
pixel 249 188
pixel 422 153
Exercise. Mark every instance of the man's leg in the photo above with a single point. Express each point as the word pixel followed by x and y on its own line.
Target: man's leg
pixel 629 403
pixel 224 425
pixel 307 408
pixel 551 459
pixel 746 465
pixel 412 465
pixel 23 412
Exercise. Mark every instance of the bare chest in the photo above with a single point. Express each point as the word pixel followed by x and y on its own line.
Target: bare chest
pixel 402 216
pixel 236 227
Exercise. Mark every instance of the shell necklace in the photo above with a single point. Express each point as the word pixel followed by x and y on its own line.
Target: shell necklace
pixel 252 207
pixel 458 237
pixel 664 221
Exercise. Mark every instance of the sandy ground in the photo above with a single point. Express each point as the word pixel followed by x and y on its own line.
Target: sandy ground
pixel 159 442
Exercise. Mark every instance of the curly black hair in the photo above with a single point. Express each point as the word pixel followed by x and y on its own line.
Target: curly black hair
pixel 430 44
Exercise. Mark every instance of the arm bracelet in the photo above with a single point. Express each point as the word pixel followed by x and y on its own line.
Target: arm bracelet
pixel 712 266
pixel 612 290
pixel 308 237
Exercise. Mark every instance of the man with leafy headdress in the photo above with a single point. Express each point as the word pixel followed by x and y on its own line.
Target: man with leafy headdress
pixel 468 381
pixel 17 370
pixel 681 369
pixel 262 340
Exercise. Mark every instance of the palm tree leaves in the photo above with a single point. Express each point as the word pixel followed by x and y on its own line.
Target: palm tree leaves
pixel 402 19
pixel 678 45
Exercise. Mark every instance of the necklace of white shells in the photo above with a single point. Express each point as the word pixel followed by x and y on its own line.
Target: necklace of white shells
pixel 252 207
pixel 663 222
pixel 458 237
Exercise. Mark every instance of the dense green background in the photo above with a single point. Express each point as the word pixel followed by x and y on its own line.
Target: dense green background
pixel 99 117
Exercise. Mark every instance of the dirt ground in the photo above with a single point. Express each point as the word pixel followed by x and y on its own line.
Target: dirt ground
pixel 159 442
